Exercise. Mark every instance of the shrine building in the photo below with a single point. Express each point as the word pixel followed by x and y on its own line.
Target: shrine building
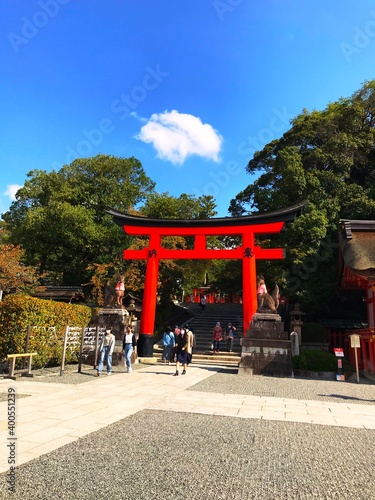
pixel 357 269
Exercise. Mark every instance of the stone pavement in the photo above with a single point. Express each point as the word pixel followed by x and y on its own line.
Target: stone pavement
pixel 54 414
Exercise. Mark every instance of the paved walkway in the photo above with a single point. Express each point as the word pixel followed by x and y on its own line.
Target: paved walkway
pixel 56 414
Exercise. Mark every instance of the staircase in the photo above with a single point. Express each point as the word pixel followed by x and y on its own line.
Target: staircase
pixel 202 324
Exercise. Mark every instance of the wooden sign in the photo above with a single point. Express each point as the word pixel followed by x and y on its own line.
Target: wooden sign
pixel 355 340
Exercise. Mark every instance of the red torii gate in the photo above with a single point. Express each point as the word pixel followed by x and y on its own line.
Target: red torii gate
pixel 246 227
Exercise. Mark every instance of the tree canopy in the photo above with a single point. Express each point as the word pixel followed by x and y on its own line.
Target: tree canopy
pixel 60 218
pixel 327 158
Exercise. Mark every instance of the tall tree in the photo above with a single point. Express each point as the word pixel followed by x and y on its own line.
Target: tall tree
pixel 60 218
pixel 327 158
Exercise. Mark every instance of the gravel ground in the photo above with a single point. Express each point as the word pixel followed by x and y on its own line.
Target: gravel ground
pixel 166 455
pixel 229 382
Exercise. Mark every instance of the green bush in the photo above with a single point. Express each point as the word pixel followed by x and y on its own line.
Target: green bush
pixel 48 320
pixel 319 361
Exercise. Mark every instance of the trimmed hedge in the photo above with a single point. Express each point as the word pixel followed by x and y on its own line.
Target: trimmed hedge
pixel 48 319
pixel 319 361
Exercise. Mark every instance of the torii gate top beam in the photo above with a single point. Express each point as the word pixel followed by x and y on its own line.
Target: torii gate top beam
pixel 205 226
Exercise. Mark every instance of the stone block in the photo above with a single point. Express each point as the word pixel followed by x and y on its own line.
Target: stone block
pixel 266 350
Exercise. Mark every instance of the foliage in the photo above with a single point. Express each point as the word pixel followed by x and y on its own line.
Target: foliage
pixel 228 276
pixel 319 361
pixel 164 205
pixel 327 158
pixel 14 276
pixel 60 217
pixel 102 275
pixel 49 318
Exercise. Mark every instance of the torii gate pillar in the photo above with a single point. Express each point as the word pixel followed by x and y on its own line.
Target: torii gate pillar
pixel 147 325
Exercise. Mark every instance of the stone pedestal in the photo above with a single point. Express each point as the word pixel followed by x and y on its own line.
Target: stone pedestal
pixel 266 350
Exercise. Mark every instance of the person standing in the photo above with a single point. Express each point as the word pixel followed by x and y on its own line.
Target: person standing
pixel 129 343
pixel 217 336
pixel 203 302
pixel 182 352
pixel 230 336
pixel 177 331
pixel 168 345
pixel 192 343
pixel 106 348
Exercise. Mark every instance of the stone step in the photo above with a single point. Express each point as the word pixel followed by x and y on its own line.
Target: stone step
pixel 202 324
pixel 231 359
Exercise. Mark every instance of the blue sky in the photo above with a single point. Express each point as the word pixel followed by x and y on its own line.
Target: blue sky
pixel 191 88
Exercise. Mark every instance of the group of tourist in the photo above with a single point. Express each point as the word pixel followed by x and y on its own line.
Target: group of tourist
pixel 178 346
pixel 218 334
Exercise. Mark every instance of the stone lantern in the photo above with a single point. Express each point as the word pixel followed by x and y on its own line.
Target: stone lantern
pixel 296 321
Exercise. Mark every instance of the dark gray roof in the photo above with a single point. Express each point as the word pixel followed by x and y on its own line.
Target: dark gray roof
pixel 282 215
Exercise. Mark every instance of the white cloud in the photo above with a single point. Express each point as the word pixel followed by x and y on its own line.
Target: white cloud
pixel 175 136
pixel 12 190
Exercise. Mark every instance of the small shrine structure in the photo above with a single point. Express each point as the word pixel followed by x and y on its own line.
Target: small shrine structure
pixel 357 264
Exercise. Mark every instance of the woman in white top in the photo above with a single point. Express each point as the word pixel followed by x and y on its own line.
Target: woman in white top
pixel 129 343
pixel 107 345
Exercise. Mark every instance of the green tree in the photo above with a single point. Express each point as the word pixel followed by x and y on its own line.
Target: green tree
pixel 60 218
pixel 327 158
